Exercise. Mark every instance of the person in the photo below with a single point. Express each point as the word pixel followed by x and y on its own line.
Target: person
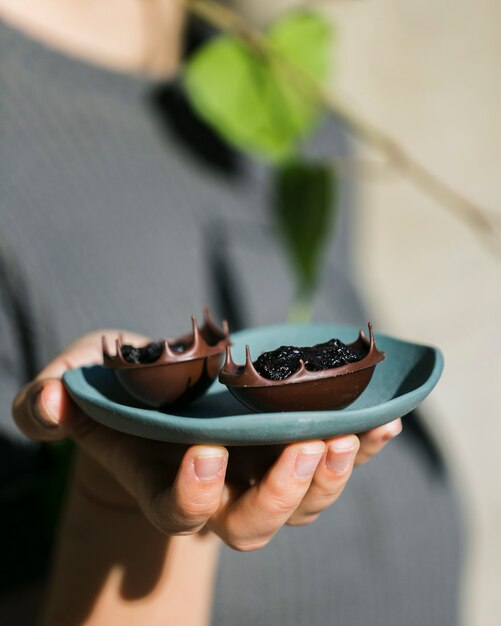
pixel 121 211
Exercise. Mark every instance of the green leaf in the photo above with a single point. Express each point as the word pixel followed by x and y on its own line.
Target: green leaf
pixel 304 206
pixel 234 91
pixel 304 38
pixel 249 98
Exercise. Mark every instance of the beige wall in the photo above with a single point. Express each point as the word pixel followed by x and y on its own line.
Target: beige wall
pixel 429 73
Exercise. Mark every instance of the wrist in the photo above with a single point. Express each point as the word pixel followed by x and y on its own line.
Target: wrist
pixel 105 545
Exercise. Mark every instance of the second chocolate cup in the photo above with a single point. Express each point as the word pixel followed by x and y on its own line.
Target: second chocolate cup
pixel 329 389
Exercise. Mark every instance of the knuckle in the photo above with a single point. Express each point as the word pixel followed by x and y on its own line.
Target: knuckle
pixel 197 507
pixel 326 497
pixel 277 502
pixel 303 520
pixel 177 513
pixel 171 527
pixel 279 507
pixel 194 510
pixel 173 523
pixel 246 545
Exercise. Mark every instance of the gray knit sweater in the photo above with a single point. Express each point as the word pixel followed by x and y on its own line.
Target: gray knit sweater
pixel 110 216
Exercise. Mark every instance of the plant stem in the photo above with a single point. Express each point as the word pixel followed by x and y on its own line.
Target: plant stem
pixel 300 309
pixel 476 217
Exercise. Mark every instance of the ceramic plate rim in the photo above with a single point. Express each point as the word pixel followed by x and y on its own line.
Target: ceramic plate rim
pixel 154 424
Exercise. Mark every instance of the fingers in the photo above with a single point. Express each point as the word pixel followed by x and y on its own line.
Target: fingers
pixel 175 503
pixel 251 521
pixel 373 441
pixel 329 480
pixel 177 495
pixel 306 479
pixel 195 496
pixel 42 409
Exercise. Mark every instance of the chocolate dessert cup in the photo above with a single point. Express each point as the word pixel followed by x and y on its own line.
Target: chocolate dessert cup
pixel 180 369
pixel 304 390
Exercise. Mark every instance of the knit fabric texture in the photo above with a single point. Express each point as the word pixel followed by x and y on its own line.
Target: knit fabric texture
pixel 113 214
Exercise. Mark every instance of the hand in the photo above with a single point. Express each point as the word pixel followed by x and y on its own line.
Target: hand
pixel 244 495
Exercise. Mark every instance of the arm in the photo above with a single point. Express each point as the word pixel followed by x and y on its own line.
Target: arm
pixel 112 566
pixel 143 516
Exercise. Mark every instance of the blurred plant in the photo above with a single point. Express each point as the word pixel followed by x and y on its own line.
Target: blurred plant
pixel 250 100
pixel 304 203
pixel 264 92
pixel 247 97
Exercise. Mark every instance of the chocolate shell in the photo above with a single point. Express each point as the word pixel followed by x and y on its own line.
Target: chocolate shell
pixel 178 376
pixel 324 390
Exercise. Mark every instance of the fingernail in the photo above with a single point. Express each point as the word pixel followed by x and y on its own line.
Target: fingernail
pixel 209 465
pixel 339 457
pixel 52 404
pixel 47 419
pixel 307 462
pixel 393 431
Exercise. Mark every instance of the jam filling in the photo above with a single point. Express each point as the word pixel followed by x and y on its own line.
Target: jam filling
pixel 281 363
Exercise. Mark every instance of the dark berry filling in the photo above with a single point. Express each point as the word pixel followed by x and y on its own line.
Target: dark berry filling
pixel 149 353
pixel 284 361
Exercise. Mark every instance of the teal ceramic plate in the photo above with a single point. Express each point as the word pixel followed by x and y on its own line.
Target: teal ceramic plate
pixel 400 383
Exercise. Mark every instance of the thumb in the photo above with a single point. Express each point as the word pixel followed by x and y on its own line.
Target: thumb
pixel 44 411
